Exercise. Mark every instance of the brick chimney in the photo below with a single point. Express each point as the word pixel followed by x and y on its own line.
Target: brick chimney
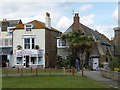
pixel 4 25
pixel 76 23
pixel 76 18
pixel 48 20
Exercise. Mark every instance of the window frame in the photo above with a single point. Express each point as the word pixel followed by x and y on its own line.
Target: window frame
pixel 30 43
pixel 28 28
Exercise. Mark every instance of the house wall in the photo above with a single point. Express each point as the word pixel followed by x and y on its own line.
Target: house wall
pixel 117 42
pixel 18 39
pixel 51 47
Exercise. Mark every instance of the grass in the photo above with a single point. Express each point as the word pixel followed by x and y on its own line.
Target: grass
pixel 27 70
pixel 51 81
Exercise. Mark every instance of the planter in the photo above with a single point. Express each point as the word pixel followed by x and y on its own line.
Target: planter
pixel 111 74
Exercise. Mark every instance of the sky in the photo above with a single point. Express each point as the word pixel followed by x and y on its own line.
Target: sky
pixel 101 16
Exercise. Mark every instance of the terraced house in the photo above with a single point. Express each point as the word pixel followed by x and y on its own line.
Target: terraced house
pixel 6 29
pixel 35 44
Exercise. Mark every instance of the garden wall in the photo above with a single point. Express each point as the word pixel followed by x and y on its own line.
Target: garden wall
pixel 111 74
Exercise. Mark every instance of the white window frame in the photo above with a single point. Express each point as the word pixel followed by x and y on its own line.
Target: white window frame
pixel 29 36
pixel 29 28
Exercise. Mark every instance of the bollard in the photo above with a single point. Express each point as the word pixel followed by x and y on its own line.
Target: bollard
pixel 21 71
pixel 31 69
pixel 64 71
pixel 6 71
pixel 18 69
pixel 36 72
pixel 49 71
pixel 73 71
pixel 69 68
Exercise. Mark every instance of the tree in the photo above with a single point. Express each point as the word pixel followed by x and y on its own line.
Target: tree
pixel 79 43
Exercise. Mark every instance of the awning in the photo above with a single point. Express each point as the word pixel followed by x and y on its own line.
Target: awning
pixel 5 50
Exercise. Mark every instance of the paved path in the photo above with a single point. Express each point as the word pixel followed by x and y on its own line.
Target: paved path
pixel 92 74
pixel 96 75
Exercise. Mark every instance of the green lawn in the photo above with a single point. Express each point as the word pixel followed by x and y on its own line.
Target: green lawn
pixel 51 81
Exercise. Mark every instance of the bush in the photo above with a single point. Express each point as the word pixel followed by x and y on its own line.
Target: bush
pixel 37 47
pixel 61 62
pixel 115 63
pixel 19 47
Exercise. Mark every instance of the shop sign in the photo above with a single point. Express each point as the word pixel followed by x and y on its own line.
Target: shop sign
pixel 29 52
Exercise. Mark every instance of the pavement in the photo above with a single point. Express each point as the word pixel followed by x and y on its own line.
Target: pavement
pixel 96 75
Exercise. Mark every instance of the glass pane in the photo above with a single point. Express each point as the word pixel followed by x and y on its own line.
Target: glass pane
pixel 27 46
pixel 0 42
pixel 10 41
pixel 63 43
pixel 33 43
pixel 27 40
pixel 32 40
pixel 32 46
pixel 28 25
pixel 6 42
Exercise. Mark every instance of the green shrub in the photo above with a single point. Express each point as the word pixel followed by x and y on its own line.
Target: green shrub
pixel 61 62
pixel 115 63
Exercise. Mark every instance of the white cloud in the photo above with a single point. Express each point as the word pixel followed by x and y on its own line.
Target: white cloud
pixel 116 16
pixel 59 19
pixel 63 23
pixel 106 30
pixel 85 7
pixel 88 20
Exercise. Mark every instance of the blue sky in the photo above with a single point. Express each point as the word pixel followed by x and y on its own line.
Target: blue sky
pixel 101 16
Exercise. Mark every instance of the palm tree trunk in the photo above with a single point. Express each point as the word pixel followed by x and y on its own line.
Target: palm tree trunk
pixel 82 67
pixel 81 58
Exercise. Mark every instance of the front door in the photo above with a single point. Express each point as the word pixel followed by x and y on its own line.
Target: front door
pixel 95 63
pixel 27 61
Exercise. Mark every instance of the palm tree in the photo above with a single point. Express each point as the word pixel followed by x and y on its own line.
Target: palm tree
pixel 80 43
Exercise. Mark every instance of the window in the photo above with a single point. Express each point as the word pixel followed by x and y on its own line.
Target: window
pixel 61 43
pixel 29 43
pixel 33 43
pixel 0 42
pixel 10 42
pixel 33 60
pixel 28 27
pixel 6 42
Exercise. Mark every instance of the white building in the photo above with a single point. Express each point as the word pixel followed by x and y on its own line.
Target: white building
pixel 6 29
pixel 33 33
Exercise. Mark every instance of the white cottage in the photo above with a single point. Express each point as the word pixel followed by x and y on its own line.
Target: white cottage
pixel 34 44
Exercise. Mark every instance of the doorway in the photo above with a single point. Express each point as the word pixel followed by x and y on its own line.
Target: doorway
pixel 4 57
pixel 27 61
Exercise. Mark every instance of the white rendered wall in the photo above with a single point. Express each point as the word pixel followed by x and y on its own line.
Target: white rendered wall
pixel 18 39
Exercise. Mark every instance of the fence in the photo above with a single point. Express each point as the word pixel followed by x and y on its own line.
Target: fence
pixel 36 71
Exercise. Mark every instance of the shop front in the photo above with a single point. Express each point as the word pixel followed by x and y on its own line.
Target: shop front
pixel 29 57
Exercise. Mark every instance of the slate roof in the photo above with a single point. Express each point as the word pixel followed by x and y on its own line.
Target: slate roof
pixel 13 22
pixel 86 30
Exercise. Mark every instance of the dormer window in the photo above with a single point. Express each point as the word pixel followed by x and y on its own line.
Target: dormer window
pixel 28 27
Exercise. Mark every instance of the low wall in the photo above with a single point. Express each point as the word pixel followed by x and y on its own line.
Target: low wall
pixel 110 74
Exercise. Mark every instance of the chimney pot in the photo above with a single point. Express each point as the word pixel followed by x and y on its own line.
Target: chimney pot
pixel 76 18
